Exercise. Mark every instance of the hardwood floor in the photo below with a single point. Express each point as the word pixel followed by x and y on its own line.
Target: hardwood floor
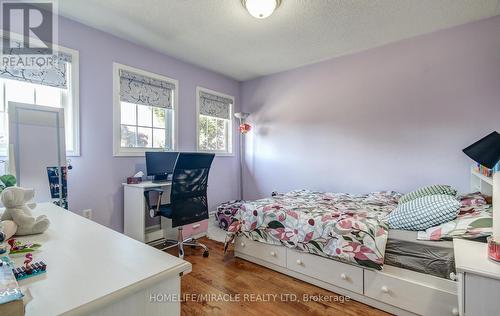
pixel 227 277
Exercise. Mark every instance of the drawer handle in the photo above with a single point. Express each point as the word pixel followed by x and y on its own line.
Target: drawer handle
pixel 273 253
pixel 299 262
pixel 242 244
pixel 454 311
pixel 384 289
pixel 343 276
pixel 453 276
pixel 196 226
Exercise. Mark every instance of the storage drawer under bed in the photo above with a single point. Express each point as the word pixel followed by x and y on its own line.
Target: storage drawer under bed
pixel 327 270
pixel 404 289
pixel 420 298
pixel 270 253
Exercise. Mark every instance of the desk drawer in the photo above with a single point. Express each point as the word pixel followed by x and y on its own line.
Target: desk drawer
pixel 189 230
pixel 270 253
pixel 327 270
pixel 195 228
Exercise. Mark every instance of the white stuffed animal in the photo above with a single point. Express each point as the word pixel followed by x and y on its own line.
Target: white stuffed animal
pixel 14 200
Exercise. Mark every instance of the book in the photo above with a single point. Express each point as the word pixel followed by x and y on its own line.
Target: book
pixel 9 289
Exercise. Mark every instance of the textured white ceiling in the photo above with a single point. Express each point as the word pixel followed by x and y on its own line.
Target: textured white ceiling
pixel 220 35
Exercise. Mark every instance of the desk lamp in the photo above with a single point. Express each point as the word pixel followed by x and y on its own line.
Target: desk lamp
pixel 486 152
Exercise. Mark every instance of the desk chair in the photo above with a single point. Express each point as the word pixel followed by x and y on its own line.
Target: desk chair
pixel 188 197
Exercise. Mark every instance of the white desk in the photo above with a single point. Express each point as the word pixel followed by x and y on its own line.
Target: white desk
pixel 134 212
pixel 134 222
pixel 93 270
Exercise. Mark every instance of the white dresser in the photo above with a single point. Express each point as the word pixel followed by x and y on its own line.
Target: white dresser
pixel 93 270
pixel 478 279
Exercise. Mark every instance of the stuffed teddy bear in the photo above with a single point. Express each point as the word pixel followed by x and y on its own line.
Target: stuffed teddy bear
pixel 14 200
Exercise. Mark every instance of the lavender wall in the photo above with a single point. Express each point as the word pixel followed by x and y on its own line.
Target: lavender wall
pixel 394 117
pixel 95 181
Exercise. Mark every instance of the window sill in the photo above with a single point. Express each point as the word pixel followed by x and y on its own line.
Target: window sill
pixel 75 153
pixel 137 153
pixel 218 154
pixel 141 153
pixel 129 154
pixel 224 155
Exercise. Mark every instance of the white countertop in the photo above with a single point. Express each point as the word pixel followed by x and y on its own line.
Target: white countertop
pixel 89 264
pixel 472 257
pixel 148 184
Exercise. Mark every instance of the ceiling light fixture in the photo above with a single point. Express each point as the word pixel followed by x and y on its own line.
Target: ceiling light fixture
pixel 261 9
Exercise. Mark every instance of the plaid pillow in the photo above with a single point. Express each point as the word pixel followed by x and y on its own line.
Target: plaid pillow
pixel 429 190
pixel 424 212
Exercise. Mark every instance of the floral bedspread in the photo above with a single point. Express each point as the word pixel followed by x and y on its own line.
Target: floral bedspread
pixel 350 228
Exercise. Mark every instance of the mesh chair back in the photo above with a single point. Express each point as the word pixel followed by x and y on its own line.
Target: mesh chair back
pixel 188 195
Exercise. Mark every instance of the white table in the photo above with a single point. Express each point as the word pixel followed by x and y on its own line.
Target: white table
pixel 478 279
pixel 92 269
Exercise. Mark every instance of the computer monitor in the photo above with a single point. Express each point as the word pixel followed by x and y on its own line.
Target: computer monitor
pixel 160 164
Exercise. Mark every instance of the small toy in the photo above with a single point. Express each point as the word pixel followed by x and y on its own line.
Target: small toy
pixel 27 262
pixel 17 209
pixel 18 247
pixel 29 269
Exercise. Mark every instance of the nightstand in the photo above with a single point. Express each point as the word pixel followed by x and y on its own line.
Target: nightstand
pixel 478 279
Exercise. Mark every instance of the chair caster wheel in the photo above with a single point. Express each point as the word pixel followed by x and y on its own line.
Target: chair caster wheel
pixel 205 254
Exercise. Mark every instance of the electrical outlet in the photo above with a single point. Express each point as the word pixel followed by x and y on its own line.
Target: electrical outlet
pixel 87 213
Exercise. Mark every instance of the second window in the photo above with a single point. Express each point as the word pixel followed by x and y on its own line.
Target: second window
pixel 215 120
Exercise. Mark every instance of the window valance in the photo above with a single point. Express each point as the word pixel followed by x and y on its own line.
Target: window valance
pixel 140 89
pixel 215 106
pixel 28 68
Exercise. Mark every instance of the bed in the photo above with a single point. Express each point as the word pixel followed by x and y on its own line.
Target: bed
pixel 350 228
pixel 388 269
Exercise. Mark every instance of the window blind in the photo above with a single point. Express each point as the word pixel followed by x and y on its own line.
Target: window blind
pixel 55 75
pixel 140 89
pixel 215 106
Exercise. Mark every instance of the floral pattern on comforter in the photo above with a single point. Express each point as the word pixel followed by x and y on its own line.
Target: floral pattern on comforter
pixel 347 227
pixel 474 221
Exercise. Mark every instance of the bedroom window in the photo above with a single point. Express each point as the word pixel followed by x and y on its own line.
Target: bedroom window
pixel 215 121
pixel 144 111
pixel 55 87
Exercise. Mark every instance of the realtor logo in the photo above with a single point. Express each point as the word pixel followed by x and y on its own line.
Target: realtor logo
pixel 31 23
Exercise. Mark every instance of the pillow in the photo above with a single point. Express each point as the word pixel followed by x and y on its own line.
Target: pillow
pixel 424 212
pixel 429 190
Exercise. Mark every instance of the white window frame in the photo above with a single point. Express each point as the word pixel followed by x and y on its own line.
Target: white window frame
pixel 118 150
pixel 230 141
pixel 74 86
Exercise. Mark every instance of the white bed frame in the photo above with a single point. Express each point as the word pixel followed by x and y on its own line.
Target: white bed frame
pixel 395 290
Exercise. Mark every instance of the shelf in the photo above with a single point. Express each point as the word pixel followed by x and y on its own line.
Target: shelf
pixel 475 188
pixel 484 178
